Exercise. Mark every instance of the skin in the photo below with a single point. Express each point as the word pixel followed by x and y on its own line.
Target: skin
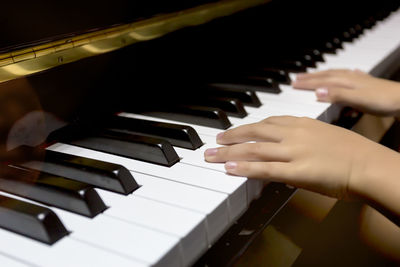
pixel 319 157
pixel 355 89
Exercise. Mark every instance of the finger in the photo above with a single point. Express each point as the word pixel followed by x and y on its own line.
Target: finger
pixel 248 152
pixel 273 171
pixel 321 82
pixel 319 74
pixel 281 120
pixel 358 71
pixel 338 95
pixel 251 132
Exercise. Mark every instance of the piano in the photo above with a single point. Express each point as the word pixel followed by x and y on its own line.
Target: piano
pixel 108 110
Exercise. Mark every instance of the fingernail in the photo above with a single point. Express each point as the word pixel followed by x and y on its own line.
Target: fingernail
pixel 230 165
pixel 219 136
pixel 210 152
pixel 321 92
pixel 301 75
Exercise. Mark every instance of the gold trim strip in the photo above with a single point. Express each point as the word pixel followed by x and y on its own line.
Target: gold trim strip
pixel 34 59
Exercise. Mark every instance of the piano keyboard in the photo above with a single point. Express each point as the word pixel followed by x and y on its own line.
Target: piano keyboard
pixel 178 212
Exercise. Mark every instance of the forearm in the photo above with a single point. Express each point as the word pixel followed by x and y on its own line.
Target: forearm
pixel 378 183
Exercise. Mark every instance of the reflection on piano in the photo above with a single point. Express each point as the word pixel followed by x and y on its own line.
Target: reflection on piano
pixel 102 146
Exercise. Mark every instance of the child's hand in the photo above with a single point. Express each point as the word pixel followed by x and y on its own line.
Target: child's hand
pixel 355 89
pixel 302 152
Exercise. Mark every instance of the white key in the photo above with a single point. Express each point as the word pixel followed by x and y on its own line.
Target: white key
pixel 128 240
pixel 207 134
pixel 11 261
pixel 213 204
pixel 199 129
pixel 59 254
pixel 188 226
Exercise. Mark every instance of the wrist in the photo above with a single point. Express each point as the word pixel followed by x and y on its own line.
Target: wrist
pixel 370 168
pixel 376 181
pixel 394 100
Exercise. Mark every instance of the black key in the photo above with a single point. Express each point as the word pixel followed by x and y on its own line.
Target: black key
pixel 315 54
pixel 133 146
pixel 346 36
pixel 51 190
pixel 353 32
pixel 328 47
pixel 359 29
pixel 369 22
pixel 268 82
pixel 290 65
pixel 210 117
pixel 30 220
pixel 305 58
pixel 337 43
pixel 278 75
pixel 232 107
pixel 260 84
pixel 308 60
pixel 248 97
pixel 105 175
pixel 178 135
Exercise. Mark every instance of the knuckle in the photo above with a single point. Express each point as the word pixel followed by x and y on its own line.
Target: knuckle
pixel 269 119
pixel 244 168
pixel 253 150
pixel 302 121
pixel 299 132
pixel 254 129
pixel 223 152
pixel 269 171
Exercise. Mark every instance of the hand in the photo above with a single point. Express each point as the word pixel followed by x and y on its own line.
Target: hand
pixel 353 88
pixel 302 152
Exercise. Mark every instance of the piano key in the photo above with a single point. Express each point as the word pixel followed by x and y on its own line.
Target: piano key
pixel 138 244
pixel 177 134
pixel 278 75
pixel 100 174
pixel 315 54
pixel 291 65
pixel 199 129
pixel 235 187
pixel 261 82
pixel 248 97
pixel 211 117
pixel 11 261
pixel 359 29
pixel 193 158
pixel 129 145
pixel 329 47
pixel 252 85
pixel 211 202
pixel 306 59
pixel 273 108
pixel 30 220
pixel 254 187
pixel 209 135
pixel 37 254
pixel 132 240
pixel 52 190
pixel 189 226
pixel 232 107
